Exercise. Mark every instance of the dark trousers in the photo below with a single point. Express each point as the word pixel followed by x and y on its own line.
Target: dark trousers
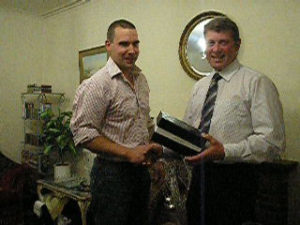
pixel 120 193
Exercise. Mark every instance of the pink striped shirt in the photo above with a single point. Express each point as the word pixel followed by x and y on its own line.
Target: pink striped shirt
pixel 106 105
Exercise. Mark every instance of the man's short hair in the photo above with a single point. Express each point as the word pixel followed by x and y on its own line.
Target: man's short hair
pixel 118 23
pixel 221 24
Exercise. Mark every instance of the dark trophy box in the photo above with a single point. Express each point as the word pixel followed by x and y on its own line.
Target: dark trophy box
pixel 177 135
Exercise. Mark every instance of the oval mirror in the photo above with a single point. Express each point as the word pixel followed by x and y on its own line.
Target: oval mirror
pixel 192 46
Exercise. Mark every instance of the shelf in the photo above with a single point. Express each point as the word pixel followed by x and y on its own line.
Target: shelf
pixel 36 148
pixel 33 105
pixel 43 98
pixel 31 119
pixel 44 93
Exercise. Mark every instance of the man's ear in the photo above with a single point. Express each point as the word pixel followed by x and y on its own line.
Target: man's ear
pixel 108 45
pixel 238 44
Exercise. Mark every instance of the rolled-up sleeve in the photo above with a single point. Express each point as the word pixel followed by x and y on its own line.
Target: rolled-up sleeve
pixel 89 109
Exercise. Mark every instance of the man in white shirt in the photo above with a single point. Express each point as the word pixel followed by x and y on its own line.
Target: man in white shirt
pixel 246 122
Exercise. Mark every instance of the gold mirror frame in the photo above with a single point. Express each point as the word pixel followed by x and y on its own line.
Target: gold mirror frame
pixel 182 51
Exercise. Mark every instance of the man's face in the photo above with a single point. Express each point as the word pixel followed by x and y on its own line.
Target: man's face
pixel 221 49
pixel 124 49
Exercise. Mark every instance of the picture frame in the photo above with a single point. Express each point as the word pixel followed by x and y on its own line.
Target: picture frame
pixel 91 60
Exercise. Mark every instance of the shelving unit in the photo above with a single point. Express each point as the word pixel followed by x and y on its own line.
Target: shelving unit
pixel 33 105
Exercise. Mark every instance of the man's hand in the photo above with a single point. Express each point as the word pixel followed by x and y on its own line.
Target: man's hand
pixel 214 152
pixel 145 154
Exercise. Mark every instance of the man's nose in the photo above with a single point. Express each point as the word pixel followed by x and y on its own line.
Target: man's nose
pixel 131 49
pixel 216 47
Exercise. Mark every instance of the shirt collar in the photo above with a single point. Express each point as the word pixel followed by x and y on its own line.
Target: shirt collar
pixel 114 70
pixel 229 71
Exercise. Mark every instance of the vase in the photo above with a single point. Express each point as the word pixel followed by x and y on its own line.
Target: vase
pixel 62 172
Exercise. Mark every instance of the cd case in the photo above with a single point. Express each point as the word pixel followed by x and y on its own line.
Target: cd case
pixel 177 135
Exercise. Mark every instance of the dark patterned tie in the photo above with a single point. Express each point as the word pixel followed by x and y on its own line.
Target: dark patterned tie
pixel 209 103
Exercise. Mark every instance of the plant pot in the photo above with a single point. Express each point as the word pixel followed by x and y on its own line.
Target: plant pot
pixel 62 172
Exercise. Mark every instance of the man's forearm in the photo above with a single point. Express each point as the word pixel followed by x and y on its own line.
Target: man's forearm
pixel 102 144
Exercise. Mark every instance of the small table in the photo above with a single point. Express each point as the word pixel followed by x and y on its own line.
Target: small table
pixel 83 198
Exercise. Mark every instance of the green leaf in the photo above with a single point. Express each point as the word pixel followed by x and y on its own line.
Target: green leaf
pixel 48 149
pixel 50 124
pixel 49 139
pixel 73 148
pixel 67 114
pixel 61 141
pixel 54 131
pixel 47 115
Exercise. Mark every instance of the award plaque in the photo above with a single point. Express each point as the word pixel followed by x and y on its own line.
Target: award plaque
pixel 177 135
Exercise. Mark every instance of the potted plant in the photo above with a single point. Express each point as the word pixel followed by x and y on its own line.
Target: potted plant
pixel 57 137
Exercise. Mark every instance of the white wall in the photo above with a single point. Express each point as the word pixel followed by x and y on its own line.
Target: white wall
pixel 269 31
pixel 20 64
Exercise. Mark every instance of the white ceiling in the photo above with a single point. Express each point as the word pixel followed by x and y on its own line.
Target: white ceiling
pixel 40 7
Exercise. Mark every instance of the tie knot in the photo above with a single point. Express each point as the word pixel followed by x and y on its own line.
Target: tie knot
pixel 217 77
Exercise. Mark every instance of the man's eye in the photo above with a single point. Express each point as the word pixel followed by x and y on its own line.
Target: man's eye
pixel 224 43
pixel 211 43
pixel 124 44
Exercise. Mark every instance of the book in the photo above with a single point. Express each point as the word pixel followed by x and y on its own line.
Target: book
pixel 177 135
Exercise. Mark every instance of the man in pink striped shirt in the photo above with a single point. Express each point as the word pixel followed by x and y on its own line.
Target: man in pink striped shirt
pixel 111 118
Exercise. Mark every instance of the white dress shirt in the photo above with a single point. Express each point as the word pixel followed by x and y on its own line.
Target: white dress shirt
pixel 247 117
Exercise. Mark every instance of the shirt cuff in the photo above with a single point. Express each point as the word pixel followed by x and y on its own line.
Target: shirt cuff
pixel 231 153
